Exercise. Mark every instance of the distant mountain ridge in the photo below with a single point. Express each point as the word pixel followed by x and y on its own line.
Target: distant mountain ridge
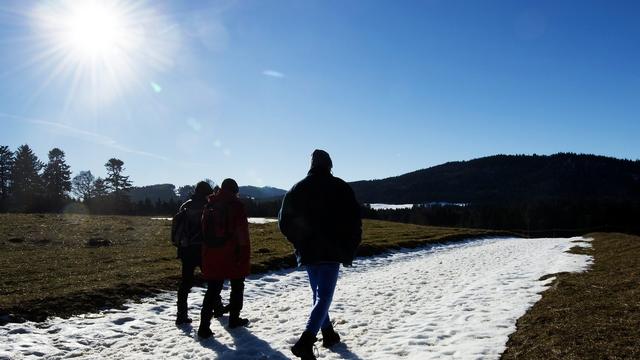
pixel 162 192
pixel 261 193
pixel 510 178
pixel 167 192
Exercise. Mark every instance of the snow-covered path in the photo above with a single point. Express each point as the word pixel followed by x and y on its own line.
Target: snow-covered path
pixel 445 301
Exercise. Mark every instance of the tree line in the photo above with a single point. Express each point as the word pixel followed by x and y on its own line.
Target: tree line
pixel 29 185
pixel 540 217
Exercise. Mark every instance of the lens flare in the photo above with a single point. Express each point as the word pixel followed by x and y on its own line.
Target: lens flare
pixel 103 49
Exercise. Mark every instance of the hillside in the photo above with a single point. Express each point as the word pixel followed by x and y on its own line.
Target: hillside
pixel 261 193
pixel 162 192
pixel 510 177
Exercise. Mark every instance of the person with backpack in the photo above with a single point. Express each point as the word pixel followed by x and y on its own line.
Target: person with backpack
pixel 226 251
pixel 186 235
pixel 320 216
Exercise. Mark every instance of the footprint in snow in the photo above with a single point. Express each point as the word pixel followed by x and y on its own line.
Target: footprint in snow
pixel 123 320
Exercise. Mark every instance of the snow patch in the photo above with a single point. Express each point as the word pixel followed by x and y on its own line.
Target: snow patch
pixel 252 220
pixel 390 206
pixel 456 301
pixel 260 220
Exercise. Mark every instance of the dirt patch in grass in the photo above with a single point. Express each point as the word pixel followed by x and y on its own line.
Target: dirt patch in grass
pixel 94 262
pixel 590 315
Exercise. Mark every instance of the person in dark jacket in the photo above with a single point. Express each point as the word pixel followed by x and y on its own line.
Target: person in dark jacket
pixel 189 252
pixel 230 260
pixel 321 218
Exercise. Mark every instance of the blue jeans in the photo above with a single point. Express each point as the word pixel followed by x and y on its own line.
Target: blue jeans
pixel 322 278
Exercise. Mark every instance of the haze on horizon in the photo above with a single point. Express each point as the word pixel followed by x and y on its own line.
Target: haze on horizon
pixel 181 91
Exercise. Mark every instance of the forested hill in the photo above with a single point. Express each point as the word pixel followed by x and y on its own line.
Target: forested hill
pixel 500 178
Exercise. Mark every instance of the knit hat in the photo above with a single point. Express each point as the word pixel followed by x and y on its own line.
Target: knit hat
pixel 320 159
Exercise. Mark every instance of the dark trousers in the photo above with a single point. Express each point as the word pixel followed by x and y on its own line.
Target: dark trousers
pixel 190 257
pixel 213 301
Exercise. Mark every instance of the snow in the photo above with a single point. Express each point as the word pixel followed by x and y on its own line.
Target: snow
pixel 379 206
pixel 259 220
pixel 390 206
pixel 252 220
pixel 456 301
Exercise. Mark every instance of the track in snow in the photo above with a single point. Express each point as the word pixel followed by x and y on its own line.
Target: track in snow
pixel 458 300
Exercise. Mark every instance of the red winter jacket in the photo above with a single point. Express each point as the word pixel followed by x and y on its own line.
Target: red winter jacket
pixel 232 260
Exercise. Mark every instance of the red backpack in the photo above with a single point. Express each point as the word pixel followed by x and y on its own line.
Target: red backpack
pixel 215 224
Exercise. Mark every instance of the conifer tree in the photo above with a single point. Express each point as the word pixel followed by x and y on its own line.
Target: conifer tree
pixel 6 167
pixel 115 181
pixel 57 176
pixel 26 183
pixel 99 188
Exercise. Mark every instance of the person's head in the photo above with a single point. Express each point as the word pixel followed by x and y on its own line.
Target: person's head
pixel 230 185
pixel 321 161
pixel 203 189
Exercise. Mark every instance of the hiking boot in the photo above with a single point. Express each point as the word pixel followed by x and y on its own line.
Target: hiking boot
pixel 217 313
pixel 237 321
pixel 204 332
pixel 304 347
pixel 182 319
pixel 329 337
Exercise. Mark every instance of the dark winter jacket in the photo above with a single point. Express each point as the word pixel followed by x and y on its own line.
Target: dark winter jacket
pixel 233 259
pixel 321 218
pixel 194 207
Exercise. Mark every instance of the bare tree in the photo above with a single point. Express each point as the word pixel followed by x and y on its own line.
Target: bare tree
pixel 82 185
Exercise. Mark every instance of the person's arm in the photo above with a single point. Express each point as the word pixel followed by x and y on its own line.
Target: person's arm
pixel 355 214
pixel 242 227
pixel 285 217
pixel 243 242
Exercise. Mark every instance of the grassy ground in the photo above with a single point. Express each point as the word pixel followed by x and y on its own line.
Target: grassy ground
pixel 69 264
pixel 590 315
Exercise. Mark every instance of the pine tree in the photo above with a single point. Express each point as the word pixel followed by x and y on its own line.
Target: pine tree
pixel 57 176
pixel 82 185
pixel 26 183
pixel 6 167
pixel 99 188
pixel 115 181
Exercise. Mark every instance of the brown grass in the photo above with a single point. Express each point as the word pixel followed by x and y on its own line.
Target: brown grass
pixel 69 264
pixel 590 315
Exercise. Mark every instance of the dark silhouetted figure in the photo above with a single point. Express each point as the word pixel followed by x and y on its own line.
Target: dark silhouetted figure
pixel 321 218
pixel 190 248
pixel 226 254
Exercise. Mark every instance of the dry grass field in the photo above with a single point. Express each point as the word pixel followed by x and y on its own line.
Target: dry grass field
pixel 69 264
pixel 590 315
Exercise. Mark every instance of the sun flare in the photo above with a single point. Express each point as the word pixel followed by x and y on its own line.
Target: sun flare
pixel 100 48
pixel 94 29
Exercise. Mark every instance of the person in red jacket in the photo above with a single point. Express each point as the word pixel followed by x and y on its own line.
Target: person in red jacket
pixel 230 260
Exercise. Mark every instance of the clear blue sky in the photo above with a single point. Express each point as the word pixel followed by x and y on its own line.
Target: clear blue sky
pixel 248 89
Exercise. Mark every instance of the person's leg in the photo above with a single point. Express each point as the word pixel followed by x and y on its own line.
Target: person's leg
pixel 211 299
pixel 313 274
pixel 186 282
pixel 324 277
pixel 235 303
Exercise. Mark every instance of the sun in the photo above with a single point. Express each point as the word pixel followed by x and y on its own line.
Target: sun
pixel 95 29
pixel 100 49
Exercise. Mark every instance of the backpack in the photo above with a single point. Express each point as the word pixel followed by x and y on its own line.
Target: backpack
pixel 180 229
pixel 215 225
